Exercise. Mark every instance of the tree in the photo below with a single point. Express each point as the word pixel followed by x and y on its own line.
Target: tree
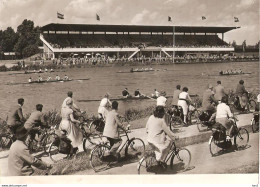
pixel 29 37
pixel 8 38
pixel 257 45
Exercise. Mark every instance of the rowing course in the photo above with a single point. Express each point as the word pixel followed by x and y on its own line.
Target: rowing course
pixel 105 79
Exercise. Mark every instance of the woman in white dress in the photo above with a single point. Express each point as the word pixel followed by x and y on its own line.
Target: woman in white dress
pixel 68 124
pixel 158 133
pixel 184 98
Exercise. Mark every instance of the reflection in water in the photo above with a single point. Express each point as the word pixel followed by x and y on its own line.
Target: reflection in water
pixel 105 79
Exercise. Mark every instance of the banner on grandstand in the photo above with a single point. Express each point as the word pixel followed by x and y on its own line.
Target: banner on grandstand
pixel 203 17
pixel 60 16
pixel 236 19
pixel 97 16
pixel 169 18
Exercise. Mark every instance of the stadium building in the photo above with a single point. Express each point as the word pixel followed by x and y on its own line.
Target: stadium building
pixel 83 40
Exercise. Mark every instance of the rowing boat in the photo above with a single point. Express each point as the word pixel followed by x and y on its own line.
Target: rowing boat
pixel 53 81
pixel 127 98
pixel 226 74
pixel 33 72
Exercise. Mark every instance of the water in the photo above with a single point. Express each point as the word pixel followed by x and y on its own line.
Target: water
pixel 105 79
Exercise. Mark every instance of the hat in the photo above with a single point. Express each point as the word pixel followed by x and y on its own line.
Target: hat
pixel 163 93
pixel 21 132
pixel 210 86
pixel 107 94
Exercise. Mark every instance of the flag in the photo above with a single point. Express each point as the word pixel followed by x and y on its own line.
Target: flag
pixel 203 17
pixel 98 18
pixel 60 16
pixel 236 19
pixel 169 18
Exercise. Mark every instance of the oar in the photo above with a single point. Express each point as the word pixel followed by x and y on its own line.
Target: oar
pixel 148 97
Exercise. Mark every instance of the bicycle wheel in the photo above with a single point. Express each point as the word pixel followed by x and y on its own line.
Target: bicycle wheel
pixel 213 147
pixel 135 148
pixel 252 105
pixel 241 138
pixel 181 161
pixel 98 160
pixel 5 142
pixel 194 117
pixel 255 125
pixel 47 140
pixel 54 153
pixel 90 142
pixel 176 123
pixel 146 165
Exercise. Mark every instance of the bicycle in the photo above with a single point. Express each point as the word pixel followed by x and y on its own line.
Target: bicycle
pixel 48 135
pixel 134 147
pixel 255 122
pixel 235 103
pixel 204 122
pixel 6 136
pixel 177 158
pixel 218 141
pixel 176 117
pixel 89 140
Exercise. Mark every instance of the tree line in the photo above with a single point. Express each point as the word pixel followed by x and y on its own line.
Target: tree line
pixel 24 42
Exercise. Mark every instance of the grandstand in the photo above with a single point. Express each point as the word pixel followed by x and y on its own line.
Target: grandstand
pixel 131 40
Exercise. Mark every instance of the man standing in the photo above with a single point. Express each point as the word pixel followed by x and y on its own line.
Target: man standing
pixel 219 91
pixel 20 161
pixel 176 94
pixel 16 119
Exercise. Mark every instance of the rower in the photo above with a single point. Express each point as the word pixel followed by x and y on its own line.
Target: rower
pixel 57 78
pixel 137 93
pixel 30 80
pixel 52 70
pixel 156 93
pixel 40 71
pixel 66 78
pixel 49 78
pixel 125 93
pixel 39 79
pixel 46 70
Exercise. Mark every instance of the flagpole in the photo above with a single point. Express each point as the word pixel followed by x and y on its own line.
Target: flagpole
pixel 173 43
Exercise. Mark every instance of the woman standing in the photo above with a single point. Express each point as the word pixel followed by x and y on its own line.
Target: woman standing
pixel 68 124
pixel 184 98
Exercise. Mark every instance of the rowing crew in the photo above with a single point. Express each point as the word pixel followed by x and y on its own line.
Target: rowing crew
pixel 137 93
pixel 57 78
pixel 231 72
pixel 41 71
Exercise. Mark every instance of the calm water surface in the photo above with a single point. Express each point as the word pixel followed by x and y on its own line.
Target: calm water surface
pixel 105 79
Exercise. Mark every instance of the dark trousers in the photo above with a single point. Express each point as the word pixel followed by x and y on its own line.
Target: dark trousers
pixel 114 144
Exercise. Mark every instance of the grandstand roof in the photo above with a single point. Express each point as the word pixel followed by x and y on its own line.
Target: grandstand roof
pixel 134 28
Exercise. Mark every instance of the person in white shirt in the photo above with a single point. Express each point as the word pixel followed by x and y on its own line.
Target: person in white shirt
pixel 49 78
pixel 158 133
pixel 161 101
pixel 223 114
pixel 30 79
pixel 57 78
pixel 184 100
pixel 103 106
pixel 111 131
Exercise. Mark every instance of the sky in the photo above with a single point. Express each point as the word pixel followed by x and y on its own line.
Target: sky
pixel 139 12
